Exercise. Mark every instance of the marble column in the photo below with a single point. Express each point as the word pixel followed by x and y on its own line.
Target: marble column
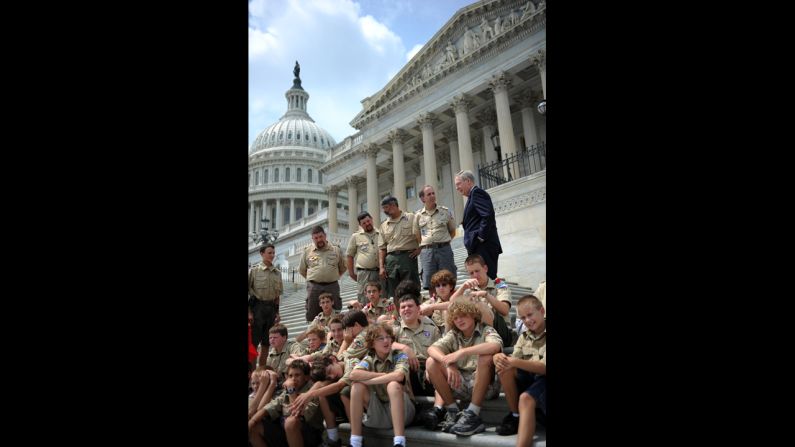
pixel 292 210
pixel 425 121
pixel 499 84
pixel 252 216
pixel 540 61
pixel 370 151
pixel 306 208
pixel 397 137
pixel 353 203
pixel 461 106
pixel 420 166
pixel 332 208
pixel 278 223
pixel 256 223
pixel 489 119
pixel 455 167
pixel 526 102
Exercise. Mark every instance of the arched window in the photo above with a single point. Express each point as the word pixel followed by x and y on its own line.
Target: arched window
pixel 256 177
pixel 276 175
pixel 265 180
pixel 315 138
pixel 319 178
pixel 286 174
pixel 309 175
pixel 289 134
pixel 298 175
pixel 298 135
pixel 281 135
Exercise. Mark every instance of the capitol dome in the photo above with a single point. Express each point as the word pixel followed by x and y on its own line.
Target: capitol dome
pixel 295 128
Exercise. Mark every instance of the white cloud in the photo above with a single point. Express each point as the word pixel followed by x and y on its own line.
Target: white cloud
pixel 414 51
pixel 344 58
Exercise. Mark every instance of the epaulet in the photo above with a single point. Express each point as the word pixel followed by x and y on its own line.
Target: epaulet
pixel 443 207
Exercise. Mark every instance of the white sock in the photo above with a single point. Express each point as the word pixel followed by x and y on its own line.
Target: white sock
pixel 516 415
pixel 400 440
pixel 356 441
pixel 332 433
pixel 474 408
pixel 453 407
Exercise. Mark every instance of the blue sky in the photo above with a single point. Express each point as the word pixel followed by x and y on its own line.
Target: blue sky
pixel 347 49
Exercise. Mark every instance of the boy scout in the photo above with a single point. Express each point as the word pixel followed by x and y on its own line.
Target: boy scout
pixel 376 305
pixel 460 365
pixel 525 370
pixel 418 333
pixel 280 350
pixel 381 384
pixel 324 317
pixel 264 289
pixel 363 249
pixel 279 427
pixel 437 228
pixel 493 297
pixel 321 264
pixel 314 344
pixel 400 246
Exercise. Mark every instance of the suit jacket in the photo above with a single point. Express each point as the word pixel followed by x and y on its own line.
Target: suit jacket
pixel 478 221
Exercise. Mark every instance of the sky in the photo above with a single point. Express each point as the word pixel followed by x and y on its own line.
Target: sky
pixel 348 50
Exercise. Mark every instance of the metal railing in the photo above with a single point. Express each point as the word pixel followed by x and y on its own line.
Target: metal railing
pixel 290 274
pixel 522 164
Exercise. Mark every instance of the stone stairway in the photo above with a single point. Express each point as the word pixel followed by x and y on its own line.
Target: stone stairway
pixel 492 411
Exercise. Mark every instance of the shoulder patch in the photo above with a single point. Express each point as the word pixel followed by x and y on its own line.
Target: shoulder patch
pixel 401 356
pixel 364 364
pixel 502 285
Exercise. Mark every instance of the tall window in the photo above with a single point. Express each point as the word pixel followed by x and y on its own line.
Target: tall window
pixel 298 174
pixel 309 175
pixel 286 174
pixel 319 178
pixel 256 177
pixel 265 180
pixel 276 175
pixel 410 192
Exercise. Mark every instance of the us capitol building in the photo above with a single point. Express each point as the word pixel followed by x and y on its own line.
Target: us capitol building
pixel 473 98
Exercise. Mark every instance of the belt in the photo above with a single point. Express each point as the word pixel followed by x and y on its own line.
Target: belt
pixel 367 270
pixel 399 252
pixel 322 283
pixel 439 245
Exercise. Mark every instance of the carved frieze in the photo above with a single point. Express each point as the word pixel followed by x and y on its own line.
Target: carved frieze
pixel 521 201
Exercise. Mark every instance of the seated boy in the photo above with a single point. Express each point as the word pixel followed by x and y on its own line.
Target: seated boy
pixel 377 306
pixel 315 342
pixel 279 427
pixel 525 370
pixel 418 333
pixel 381 386
pixel 322 319
pixel 280 350
pixel 460 366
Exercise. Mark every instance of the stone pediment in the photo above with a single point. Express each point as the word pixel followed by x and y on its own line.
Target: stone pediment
pixel 478 30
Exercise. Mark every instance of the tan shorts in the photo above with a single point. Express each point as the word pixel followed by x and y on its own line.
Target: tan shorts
pixel 464 392
pixel 379 416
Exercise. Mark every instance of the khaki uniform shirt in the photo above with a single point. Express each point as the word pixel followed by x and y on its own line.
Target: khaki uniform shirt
pixel 280 406
pixel 418 339
pixel 322 265
pixel 454 340
pixel 265 282
pixel 358 347
pixel 330 348
pixel 531 347
pixel 435 226
pixel 349 364
pixel 363 247
pixel 323 320
pixel 438 316
pixel 395 361
pixel 400 234
pixel 384 306
pixel 278 360
pixel 503 293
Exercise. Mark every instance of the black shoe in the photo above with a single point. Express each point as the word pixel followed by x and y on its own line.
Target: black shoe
pixel 468 424
pixel 450 419
pixel 510 425
pixel 432 417
pixel 337 443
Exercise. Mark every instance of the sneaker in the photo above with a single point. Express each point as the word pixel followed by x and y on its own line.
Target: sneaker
pixel 432 417
pixel 450 419
pixel 510 425
pixel 468 424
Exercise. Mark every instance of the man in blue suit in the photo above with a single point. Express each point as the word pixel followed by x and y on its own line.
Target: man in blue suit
pixel 480 228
